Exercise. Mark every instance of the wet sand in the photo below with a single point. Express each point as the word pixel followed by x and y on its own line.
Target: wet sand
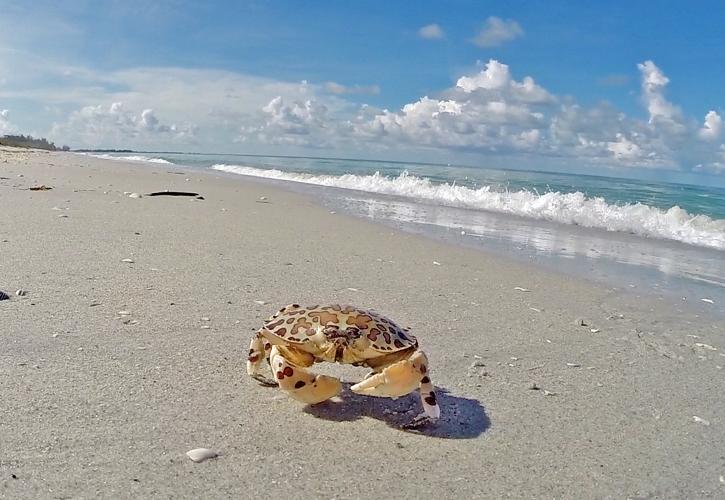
pixel 108 376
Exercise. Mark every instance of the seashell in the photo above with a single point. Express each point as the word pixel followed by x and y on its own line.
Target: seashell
pixel 128 261
pixel 201 454
pixel 700 420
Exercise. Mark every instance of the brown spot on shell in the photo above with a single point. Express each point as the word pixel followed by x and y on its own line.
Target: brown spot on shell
pixel 325 318
pixel 373 334
pixel 397 343
pixel 272 326
pixel 310 308
pixel 336 308
pixel 301 323
pixel 386 336
pixel 348 310
pixel 290 321
pixel 423 369
pixel 362 321
pixel 281 332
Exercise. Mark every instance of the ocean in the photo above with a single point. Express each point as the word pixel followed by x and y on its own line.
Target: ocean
pixel 652 238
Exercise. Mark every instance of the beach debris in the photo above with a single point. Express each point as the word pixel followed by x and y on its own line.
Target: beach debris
pixel 534 387
pixel 580 322
pixel 521 289
pixel 177 193
pixel 436 263
pixel 535 309
pixel 42 187
pixel 20 292
pixel 205 327
pixel 4 296
pixel 353 289
pixel 722 479
pixel 262 198
pixel 260 302
pixel 574 365
pixel 127 261
pixel 709 301
pixel 477 364
pixel 594 330
pixel 700 420
pixel 135 195
pixel 124 313
pixel 549 393
pixel 201 454
pixel 205 318
pixel 94 304
pixel 705 346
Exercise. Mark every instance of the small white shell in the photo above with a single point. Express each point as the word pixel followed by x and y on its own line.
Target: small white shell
pixel 201 454
pixel 128 261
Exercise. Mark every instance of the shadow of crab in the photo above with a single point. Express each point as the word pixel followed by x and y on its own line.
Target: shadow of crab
pixel 461 418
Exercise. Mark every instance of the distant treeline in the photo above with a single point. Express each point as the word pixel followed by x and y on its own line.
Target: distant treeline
pixel 26 141
pixel 105 150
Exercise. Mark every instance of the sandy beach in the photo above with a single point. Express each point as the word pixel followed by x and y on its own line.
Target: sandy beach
pixel 128 349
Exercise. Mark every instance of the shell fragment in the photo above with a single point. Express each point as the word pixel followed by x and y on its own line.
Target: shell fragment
pixel 201 454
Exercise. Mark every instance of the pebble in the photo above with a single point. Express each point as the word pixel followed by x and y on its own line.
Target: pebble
pixel 706 346
pixel 700 420
pixel 573 365
pixel 201 454
pixel 722 479
pixel 20 292
pixel 205 327
pixel 436 263
pixel 594 330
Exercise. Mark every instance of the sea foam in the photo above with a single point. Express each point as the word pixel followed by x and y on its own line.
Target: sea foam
pixel 131 158
pixel 565 208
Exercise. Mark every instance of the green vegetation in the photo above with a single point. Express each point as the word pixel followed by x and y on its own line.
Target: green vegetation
pixel 26 141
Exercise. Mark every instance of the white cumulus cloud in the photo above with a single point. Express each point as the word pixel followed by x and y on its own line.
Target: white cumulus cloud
pixel 497 31
pixel 712 127
pixel 115 125
pixel 5 126
pixel 431 32
pixel 654 83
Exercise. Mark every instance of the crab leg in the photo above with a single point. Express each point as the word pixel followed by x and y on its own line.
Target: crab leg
pixel 299 383
pixel 402 378
pixel 259 349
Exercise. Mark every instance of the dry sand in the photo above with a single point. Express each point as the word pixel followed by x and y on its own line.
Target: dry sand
pixel 100 404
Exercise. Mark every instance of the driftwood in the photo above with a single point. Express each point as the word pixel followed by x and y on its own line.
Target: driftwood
pixel 176 193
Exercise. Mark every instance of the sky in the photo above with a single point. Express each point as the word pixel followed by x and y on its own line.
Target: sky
pixel 603 88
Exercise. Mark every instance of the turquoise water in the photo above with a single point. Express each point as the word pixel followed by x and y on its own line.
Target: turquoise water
pixel 696 200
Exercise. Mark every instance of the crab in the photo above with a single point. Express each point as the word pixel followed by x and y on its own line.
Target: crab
pixel 295 338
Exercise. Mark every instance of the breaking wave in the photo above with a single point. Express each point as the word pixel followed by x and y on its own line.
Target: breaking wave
pixel 131 158
pixel 565 208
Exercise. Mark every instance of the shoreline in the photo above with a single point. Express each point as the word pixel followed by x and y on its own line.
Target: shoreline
pixel 116 404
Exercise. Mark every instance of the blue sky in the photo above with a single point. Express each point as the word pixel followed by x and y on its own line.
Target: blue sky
pixel 612 86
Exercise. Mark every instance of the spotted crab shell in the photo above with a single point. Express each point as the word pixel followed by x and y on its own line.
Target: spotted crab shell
pixel 295 324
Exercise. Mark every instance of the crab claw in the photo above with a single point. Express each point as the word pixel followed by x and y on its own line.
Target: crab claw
pixel 396 380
